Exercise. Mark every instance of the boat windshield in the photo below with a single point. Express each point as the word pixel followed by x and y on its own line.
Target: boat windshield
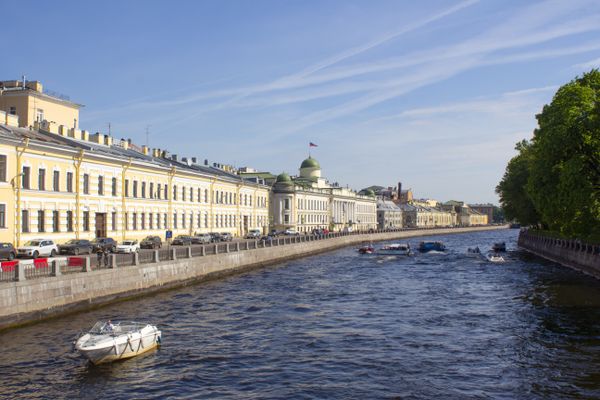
pixel 103 327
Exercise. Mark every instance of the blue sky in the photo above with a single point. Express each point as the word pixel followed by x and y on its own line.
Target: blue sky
pixel 434 94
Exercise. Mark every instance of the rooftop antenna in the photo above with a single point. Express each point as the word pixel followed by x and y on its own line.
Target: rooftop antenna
pixel 147 134
pixel 109 129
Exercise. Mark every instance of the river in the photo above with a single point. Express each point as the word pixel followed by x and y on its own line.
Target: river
pixel 341 326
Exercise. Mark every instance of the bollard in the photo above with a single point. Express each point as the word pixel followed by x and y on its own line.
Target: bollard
pixel 155 256
pixel 20 272
pixel 203 251
pixel 87 267
pixel 136 258
pixel 55 268
pixel 227 248
pixel 237 246
pixel 216 248
pixel 189 252
pixel 112 261
pixel 173 254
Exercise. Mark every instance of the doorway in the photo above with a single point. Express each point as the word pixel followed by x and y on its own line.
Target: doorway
pixel 100 225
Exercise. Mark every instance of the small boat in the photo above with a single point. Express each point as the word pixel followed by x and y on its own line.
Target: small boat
pixel 495 258
pixel 395 249
pixel 366 250
pixel 473 252
pixel 107 342
pixel 426 247
pixel 500 246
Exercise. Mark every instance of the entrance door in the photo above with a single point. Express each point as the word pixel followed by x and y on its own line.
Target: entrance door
pixel 245 225
pixel 100 225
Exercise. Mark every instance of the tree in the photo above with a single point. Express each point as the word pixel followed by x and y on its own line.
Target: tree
pixel 515 200
pixel 564 180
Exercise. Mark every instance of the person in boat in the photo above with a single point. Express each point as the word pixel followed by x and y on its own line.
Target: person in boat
pixel 109 327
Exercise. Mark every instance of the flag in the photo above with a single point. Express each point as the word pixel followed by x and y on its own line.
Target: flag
pixel 311 144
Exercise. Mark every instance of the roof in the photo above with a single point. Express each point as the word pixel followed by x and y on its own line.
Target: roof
pixel 310 163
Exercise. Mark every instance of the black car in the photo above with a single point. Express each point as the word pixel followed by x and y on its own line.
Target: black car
pixel 226 237
pixel 215 237
pixel 182 240
pixel 151 242
pixel 7 251
pixel 104 244
pixel 76 247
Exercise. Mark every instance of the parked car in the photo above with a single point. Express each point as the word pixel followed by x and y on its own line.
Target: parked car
pixel 226 237
pixel 215 237
pixel 151 242
pixel 128 246
pixel 38 247
pixel 291 232
pixel 182 240
pixel 276 233
pixel 202 238
pixel 7 251
pixel 76 247
pixel 253 234
pixel 106 244
pixel 267 238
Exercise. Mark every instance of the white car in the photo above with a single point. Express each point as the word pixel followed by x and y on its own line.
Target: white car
pixel 253 234
pixel 128 246
pixel 291 232
pixel 38 247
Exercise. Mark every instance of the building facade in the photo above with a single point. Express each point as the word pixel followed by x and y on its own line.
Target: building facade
pixel 68 184
pixel 389 215
pixel 309 202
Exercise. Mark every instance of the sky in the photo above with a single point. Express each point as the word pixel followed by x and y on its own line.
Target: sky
pixel 431 94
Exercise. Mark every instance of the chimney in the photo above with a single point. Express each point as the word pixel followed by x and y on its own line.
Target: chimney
pixel 174 157
pixel 194 160
pixel 108 140
pixel 184 160
pixel 206 161
pixel 145 150
pixel 124 144
pixel 399 189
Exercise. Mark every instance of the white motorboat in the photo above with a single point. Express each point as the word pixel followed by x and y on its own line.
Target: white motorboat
pixel 495 258
pixel 395 249
pixel 107 341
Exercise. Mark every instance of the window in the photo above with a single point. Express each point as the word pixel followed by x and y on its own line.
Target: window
pixel 206 220
pixel 2 168
pixel 166 192
pixel 86 184
pixel 134 219
pixel 25 221
pixel 157 220
pixel 175 220
pixel 126 187
pixel 286 204
pixel 56 181
pixel 192 219
pixel 2 215
pixel 143 190
pixel 135 187
pixel 206 195
pixel 69 221
pixel 165 222
pixel 39 115
pixel 183 220
pixel 114 187
pixel 175 192
pixel 191 194
pixel 143 221
pixel 199 219
pixel 151 191
pixel 86 221
pixel 158 191
pixel 70 182
pixel 41 179
pixel 126 221
pixel 183 193
pixel 41 224
pixel 101 185
pixel 150 221
pixel 114 220
pixel 26 173
pixel 55 221
pixel 199 195
pixel 12 110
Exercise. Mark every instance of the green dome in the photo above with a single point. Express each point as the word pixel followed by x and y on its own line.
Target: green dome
pixel 310 163
pixel 367 192
pixel 283 178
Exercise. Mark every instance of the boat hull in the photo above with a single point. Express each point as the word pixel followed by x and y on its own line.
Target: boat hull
pixel 112 348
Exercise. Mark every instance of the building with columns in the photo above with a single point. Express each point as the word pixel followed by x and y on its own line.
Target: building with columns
pixel 61 183
pixel 308 202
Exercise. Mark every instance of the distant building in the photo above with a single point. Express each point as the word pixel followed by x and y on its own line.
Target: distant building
pixel 487 209
pixel 389 215
pixel 466 216
pixel 308 202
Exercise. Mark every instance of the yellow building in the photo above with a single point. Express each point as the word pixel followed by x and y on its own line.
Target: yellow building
pixel 32 105
pixel 68 184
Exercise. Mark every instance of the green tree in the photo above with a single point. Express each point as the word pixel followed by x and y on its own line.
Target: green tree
pixel 515 200
pixel 564 162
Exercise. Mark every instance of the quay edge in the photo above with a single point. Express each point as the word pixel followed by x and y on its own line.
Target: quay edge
pixel 31 301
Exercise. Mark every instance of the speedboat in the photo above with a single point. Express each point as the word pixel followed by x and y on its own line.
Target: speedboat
pixel 368 249
pixel 500 246
pixel 426 247
pixel 107 342
pixel 395 249
pixel 495 258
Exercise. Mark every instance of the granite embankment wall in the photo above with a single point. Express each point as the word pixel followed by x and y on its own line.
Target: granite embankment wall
pixel 35 296
pixel 575 254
